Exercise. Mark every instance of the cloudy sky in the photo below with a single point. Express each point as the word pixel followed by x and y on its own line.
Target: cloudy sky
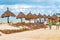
pixel 47 7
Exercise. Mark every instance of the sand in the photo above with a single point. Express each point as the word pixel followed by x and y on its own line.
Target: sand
pixel 39 34
pixel 7 26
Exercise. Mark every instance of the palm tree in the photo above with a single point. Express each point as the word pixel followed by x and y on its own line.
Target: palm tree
pixel 20 15
pixel 7 14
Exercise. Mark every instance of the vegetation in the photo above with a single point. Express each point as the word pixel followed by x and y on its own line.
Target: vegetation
pixel 13 31
pixel 24 29
pixel 50 24
pixel 21 23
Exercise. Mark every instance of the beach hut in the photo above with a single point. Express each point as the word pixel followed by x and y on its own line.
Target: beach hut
pixel 34 17
pixel 20 15
pixel 28 16
pixel 7 14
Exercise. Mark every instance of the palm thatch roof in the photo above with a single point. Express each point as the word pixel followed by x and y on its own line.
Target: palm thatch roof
pixel 44 16
pixel 21 15
pixel 39 15
pixel 34 16
pixel 28 16
pixel 7 14
pixel 54 16
pixel 49 16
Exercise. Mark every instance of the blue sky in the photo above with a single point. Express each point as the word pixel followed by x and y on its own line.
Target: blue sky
pixel 47 7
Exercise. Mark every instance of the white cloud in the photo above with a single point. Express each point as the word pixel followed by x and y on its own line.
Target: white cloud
pixel 22 6
pixel 56 0
pixel 2 6
pixel 34 8
pixel 46 0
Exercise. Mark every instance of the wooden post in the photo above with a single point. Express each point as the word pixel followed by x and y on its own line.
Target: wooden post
pixel 8 19
pixel 21 19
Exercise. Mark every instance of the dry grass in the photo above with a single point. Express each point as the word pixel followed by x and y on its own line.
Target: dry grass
pixel 31 25
pixel 6 31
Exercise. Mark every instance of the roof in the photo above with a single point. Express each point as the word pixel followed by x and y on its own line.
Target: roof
pixel 39 15
pixel 44 16
pixel 7 14
pixel 21 15
pixel 34 16
pixel 28 16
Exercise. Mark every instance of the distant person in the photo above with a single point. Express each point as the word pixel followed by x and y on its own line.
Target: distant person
pixel 50 25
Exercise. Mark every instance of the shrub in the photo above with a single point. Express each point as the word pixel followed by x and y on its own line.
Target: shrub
pixel 21 23
pixel 50 24
pixel 24 29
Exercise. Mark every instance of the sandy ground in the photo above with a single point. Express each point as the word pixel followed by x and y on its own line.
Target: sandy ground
pixel 6 26
pixel 39 34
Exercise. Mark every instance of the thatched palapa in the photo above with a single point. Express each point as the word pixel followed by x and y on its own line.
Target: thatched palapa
pixel 44 16
pixel 20 15
pixel 54 16
pixel 40 16
pixel 34 17
pixel 29 16
pixel 7 14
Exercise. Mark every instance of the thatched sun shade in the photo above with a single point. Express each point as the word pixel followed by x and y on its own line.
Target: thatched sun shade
pixel 44 16
pixel 54 16
pixel 21 15
pixel 7 14
pixel 34 17
pixel 40 16
pixel 48 16
pixel 29 16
